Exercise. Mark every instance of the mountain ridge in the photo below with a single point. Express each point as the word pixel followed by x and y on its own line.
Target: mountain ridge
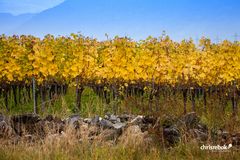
pixel 131 18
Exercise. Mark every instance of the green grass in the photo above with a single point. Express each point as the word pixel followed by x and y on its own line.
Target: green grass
pixel 92 105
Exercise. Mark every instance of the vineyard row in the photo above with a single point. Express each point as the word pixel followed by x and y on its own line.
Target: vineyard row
pixel 117 65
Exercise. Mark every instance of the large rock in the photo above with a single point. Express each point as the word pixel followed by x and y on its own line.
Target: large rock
pixel 149 120
pixel 95 120
pixel 31 124
pixel 119 126
pixel 26 118
pixel 87 120
pixel 106 124
pixel 25 124
pixel 73 121
pixel 114 119
pixel 172 135
pixel 191 127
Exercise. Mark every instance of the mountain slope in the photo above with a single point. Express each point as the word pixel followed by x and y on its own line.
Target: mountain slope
pixel 89 17
pixel 134 18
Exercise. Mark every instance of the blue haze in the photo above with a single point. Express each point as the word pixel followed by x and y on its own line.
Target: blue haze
pixel 181 19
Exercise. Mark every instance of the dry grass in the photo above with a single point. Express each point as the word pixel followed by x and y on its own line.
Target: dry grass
pixel 71 149
pixel 68 146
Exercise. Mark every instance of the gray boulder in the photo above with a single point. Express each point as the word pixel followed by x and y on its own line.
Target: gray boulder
pixel 73 121
pixel 95 120
pixel 172 135
pixel 114 119
pixel 119 125
pixel 105 124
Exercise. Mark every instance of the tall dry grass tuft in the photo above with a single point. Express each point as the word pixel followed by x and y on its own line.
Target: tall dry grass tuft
pixel 131 145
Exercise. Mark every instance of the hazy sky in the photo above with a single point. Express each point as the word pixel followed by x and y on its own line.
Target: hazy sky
pixel 136 18
pixel 26 6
